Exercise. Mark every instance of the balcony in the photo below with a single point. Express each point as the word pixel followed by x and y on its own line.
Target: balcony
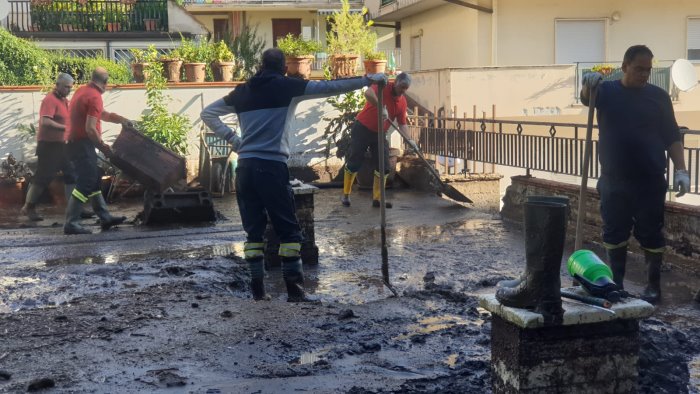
pixel 33 18
pixel 394 10
pixel 303 4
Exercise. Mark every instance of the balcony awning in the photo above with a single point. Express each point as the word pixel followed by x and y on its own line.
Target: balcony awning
pixel 331 12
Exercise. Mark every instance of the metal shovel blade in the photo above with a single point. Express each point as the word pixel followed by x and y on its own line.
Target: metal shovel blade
pixel 454 194
pixel 444 188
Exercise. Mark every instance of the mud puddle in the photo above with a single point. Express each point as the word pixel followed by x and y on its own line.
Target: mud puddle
pixel 150 314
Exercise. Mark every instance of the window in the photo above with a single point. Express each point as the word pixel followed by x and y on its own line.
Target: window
pixel 221 29
pixel 415 53
pixel 579 41
pixel 694 39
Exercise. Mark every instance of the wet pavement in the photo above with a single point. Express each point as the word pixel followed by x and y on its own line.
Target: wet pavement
pixel 131 293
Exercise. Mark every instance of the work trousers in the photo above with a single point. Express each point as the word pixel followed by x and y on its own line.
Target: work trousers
pixel 82 154
pixel 51 158
pixel 263 189
pixel 628 204
pixel 361 139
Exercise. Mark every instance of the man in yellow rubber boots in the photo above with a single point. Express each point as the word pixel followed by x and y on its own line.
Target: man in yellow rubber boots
pixel 364 135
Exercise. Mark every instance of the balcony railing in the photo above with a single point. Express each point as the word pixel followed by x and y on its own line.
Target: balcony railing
pixel 535 146
pixel 264 2
pixel 660 75
pixel 90 16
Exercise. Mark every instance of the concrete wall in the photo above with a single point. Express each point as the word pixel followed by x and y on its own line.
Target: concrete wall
pixel 446 26
pixel 682 222
pixel 536 93
pixel 20 107
pixel 525 29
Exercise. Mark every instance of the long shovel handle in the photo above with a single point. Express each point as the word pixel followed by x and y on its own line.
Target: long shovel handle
pixel 381 141
pixel 583 193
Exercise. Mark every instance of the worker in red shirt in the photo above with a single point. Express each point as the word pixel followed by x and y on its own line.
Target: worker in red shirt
pixel 364 135
pixel 50 146
pixel 84 135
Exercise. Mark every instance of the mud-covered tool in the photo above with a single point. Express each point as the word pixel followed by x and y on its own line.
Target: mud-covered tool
pixel 597 301
pixel 444 188
pixel 381 140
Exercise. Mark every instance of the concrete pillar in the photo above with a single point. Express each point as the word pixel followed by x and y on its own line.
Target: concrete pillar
pixel 304 202
pixel 593 351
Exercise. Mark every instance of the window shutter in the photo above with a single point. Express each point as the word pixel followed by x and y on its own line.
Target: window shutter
pixel 580 41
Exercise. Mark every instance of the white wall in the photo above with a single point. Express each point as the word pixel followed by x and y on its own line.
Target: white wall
pixel 20 107
pixel 525 29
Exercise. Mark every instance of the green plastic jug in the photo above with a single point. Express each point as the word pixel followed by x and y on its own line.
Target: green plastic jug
pixel 593 274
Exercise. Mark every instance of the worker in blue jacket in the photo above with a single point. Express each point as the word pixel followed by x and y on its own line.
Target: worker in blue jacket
pixel 637 130
pixel 265 104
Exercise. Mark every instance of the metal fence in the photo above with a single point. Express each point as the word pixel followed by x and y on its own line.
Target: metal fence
pixel 92 16
pixel 458 144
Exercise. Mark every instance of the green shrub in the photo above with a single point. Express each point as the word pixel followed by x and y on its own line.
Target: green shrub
pixel 220 52
pixel 81 68
pixel 247 48
pixel 349 33
pixel 22 62
pixel 194 52
pixel 296 46
pixel 158 123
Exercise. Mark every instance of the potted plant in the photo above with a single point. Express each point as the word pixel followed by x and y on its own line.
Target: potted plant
pixel 172 65
pixel 222 62
pixel 604 69
pixel 12 177
pixel 299 54
pixel 349 37
pixel 138 64
pixel 113 19
pixel 374 62
pixel 149 13
pixel 195 56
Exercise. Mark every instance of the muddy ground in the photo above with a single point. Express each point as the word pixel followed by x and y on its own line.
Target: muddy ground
pixel 142 309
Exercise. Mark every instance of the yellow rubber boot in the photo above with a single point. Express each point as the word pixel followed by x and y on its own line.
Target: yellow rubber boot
pixel 348 180
pixel 376 192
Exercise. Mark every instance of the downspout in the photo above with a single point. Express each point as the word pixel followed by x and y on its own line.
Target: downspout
pixel 494 33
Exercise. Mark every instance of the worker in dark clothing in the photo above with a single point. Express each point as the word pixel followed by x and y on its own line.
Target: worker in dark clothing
pixel 637 127
pixel 264 105
pixel 364 135
pixel 84 135
pixel 50 147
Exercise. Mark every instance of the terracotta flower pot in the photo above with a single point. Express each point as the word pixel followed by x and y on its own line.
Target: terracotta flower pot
pixel 114 26
pixel 11 193
pixel 195 72
pixel 223 71
pixel 299 67
pixel 171 70
pixel 374 66
pixel 150 24
pixel 138 70
pixel 344 66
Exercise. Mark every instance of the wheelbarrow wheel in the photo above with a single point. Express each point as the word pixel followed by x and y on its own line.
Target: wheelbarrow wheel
pixel 216 171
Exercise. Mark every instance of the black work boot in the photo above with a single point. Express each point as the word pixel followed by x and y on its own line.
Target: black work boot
pixel 257 277
pixel 545 234
pixel 29 208
pixel 617 260
pixel 293 275
pixel 106 219
pixel 72 225
pixel 511 282
pixel 68 190
pixel 652 293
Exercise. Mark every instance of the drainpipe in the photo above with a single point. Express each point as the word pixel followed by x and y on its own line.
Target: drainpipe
pixel 494 33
